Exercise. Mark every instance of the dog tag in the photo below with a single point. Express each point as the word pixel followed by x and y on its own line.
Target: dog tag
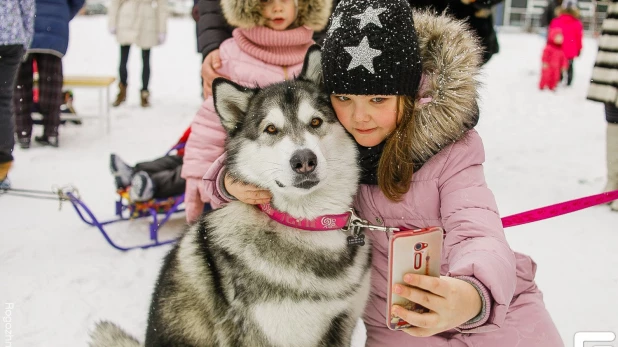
pixel 356 240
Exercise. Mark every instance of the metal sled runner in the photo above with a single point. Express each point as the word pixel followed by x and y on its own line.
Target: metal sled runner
pixel 127 210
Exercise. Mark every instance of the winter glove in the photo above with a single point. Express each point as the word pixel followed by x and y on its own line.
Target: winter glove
pixel 112 31
pixel 161 38
pixel 193 203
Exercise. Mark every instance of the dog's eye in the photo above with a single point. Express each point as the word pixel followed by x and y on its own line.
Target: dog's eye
pixel 316 122
pixel 271 129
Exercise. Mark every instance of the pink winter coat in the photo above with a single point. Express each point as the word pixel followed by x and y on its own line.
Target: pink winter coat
pixel 449 190
pixel 253 56
pixel 573 32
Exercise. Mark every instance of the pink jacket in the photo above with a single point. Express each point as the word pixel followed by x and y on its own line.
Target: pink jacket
pixel 573 32
pixel 253 56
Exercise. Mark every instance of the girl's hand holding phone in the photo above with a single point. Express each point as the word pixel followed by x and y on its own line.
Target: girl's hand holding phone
pixel 451 302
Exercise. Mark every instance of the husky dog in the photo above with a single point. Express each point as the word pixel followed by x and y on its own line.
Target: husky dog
pixel 239 278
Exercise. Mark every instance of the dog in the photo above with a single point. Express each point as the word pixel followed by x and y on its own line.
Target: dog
pixel 239 278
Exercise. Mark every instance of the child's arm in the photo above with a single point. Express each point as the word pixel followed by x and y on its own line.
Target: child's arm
pixel 477 248
pixel 204 146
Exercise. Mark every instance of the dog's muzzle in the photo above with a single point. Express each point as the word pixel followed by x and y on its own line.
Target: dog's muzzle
pixel 303 163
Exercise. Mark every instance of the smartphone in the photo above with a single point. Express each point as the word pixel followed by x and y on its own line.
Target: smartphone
pixel 411 251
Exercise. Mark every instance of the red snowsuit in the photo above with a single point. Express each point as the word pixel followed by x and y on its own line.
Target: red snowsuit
pixel 554 60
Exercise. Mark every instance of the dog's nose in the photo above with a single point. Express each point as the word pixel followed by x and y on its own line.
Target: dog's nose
pixel 303 161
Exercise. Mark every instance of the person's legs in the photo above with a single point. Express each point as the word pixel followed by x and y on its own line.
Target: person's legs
pixel 9 63
pixel 570 73
pixel 122 71
pixel 144 94
pixel 611 143
pixel 124 59
pixel 168 183
pixel 22 103
pixel 145 68
pixel 50 96
pixel 168 162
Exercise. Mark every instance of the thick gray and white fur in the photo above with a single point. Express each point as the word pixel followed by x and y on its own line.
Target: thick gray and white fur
pixel 238 278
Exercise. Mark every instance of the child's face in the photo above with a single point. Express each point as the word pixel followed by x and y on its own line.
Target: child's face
pixel 279 14
pixel 558 39
pixel 369 118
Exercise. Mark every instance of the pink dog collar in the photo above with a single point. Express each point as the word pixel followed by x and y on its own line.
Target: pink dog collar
pixel 322 223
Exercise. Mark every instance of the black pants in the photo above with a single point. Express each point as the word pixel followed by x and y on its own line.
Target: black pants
pixel 50 94
pixel 165 175
pixel 124 58
pixel 10 56
pixel 570 72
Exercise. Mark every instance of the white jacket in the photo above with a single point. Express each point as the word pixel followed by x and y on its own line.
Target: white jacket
pixel 138 22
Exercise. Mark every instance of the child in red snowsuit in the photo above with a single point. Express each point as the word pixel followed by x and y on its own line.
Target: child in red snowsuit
pixel 554 60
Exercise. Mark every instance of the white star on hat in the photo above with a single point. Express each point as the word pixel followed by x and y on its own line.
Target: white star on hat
pixel 335 24
pixel 363 55
pixel 369 16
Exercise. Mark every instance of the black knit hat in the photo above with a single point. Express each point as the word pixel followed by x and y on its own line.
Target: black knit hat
pixel 371 48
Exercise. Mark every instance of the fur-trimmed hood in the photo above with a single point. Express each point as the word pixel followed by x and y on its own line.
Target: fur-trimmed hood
pixel 246 14
pixel 447 100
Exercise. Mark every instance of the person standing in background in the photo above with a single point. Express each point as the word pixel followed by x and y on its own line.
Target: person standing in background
pixel 603 89
pixel 572 28
pixel 479 16
pixel 16 29
pixel 142 23
pixel 49 45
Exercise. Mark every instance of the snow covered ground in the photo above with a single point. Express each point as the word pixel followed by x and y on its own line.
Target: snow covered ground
pixel 60 276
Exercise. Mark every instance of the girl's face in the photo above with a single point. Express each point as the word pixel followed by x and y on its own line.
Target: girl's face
pixel 369 118
pixel 279 14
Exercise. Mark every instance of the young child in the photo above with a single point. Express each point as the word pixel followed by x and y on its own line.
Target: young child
pixel 268 46
pixel 405 88
pixel 554 60
pixel 573 31
pixel 159 178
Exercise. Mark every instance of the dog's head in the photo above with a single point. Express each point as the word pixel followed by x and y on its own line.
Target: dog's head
pixel 286 138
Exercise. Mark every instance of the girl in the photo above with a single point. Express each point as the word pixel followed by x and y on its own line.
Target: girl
pixel 554 62
pixel 568 22
pixel 142 23
pixel 405 88
pixel 268 46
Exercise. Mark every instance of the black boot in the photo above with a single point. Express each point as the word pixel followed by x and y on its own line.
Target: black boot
pixel 24 142
pixel 47 140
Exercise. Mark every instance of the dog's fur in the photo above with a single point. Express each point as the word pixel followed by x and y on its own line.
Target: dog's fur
pixel 238 278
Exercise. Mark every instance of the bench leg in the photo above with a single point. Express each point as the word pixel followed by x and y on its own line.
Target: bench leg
pixel 107 116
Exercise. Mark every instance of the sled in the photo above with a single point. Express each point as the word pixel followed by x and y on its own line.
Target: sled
pixel 159 210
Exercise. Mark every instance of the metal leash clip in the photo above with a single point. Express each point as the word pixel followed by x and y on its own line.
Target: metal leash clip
pixel 355 226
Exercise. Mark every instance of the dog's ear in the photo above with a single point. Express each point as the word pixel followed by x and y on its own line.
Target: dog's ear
pixel 312 67
pixel 231 102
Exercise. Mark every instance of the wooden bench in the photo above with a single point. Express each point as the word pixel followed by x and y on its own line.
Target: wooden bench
pixel 101 83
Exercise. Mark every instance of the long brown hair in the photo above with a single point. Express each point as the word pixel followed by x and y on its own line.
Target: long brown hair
pixel 396 167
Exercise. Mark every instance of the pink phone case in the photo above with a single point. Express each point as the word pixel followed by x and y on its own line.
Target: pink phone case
pixel 412 251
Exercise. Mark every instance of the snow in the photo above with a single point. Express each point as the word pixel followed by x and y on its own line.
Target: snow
pixel 61 276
